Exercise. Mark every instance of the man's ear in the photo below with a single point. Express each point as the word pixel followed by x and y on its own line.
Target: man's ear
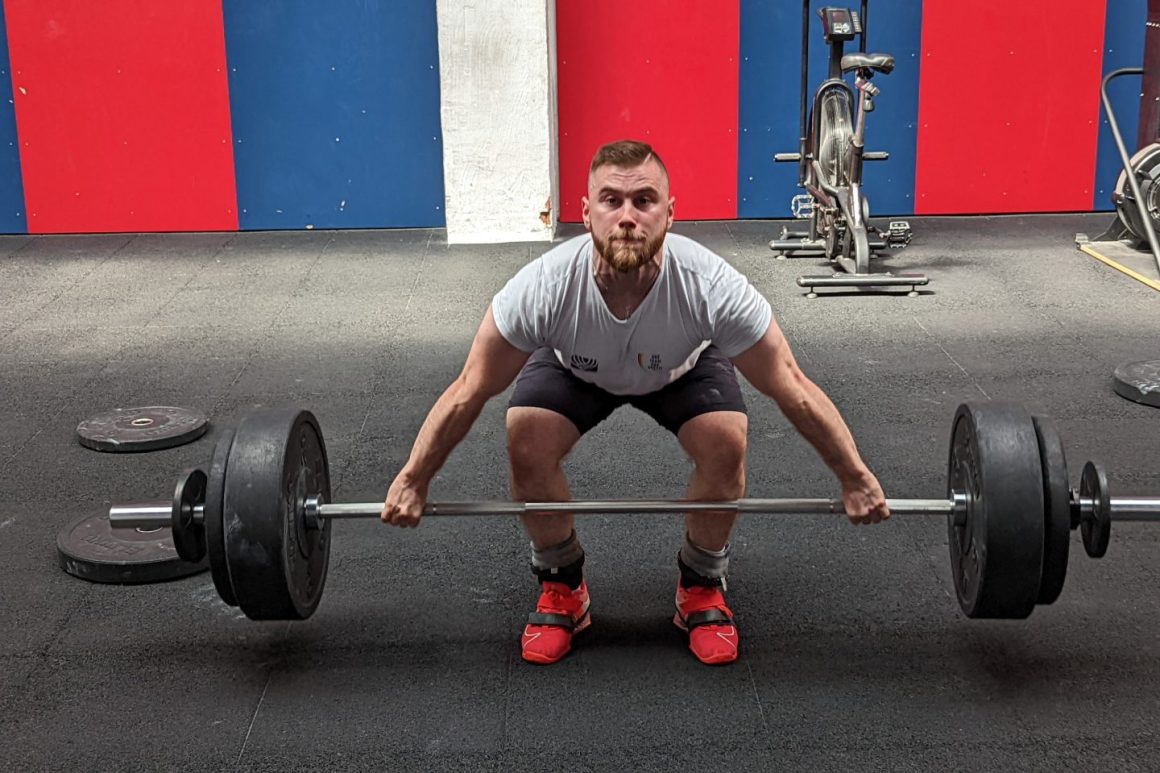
pixel 584 212
pixel 672 209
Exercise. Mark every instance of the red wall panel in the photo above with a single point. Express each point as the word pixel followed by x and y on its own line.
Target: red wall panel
pixel 1008 106
pixel 122 113
pixel 661 71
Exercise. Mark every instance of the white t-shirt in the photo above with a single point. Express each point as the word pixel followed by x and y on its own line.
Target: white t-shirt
pixel 698 299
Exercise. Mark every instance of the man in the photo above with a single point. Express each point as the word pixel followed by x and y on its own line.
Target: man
pixel 629 314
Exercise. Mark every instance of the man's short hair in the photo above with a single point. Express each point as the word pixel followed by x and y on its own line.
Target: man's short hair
pixel 627 154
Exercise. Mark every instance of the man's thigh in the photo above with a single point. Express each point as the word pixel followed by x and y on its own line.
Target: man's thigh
pixel 545 383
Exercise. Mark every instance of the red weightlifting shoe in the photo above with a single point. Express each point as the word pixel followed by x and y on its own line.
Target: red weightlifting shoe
pixel 560 614
pixel 701 612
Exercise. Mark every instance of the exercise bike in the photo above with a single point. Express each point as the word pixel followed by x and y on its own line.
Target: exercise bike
pixel 830 157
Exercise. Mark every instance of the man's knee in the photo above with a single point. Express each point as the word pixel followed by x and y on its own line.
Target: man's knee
pixel 717 443
pixel 728 461
pixel 538 440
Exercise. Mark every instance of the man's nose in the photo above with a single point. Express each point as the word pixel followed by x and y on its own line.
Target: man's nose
pixel 626 218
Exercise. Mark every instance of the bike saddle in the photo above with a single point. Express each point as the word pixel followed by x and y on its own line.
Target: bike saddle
pixel 883 63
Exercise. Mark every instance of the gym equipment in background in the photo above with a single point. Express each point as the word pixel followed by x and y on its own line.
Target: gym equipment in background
pixel 830 157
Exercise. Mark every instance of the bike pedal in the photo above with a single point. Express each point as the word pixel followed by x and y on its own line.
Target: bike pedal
pixel 802 206
pixel 899 233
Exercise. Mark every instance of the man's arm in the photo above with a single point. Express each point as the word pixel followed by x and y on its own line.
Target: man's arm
pixel 770 367
pixel 492 364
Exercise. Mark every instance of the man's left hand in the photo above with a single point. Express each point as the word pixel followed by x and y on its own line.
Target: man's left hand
pixel 865 503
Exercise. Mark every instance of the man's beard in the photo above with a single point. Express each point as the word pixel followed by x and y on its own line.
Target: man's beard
pixel 628 256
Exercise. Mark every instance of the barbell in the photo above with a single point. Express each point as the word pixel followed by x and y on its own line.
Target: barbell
pixel 262 512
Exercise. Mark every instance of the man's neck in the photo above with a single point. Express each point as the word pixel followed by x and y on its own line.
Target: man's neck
pixel 623 292
pixel 638 280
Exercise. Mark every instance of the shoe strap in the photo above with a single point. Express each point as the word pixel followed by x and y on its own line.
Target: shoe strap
pixel 708 617
pixel 560 621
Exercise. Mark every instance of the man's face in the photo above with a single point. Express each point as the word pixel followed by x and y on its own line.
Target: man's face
pixel 628 210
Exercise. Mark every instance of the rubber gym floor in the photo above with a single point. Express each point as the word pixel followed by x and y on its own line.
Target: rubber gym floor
pixel 855 654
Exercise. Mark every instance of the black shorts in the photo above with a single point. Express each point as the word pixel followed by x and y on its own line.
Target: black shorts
pixel 711 385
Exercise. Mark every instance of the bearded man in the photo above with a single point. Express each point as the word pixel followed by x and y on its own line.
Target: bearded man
pixel 630 313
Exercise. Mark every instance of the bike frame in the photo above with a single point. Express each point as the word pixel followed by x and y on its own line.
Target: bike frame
pixel 848 198
pixel 838 211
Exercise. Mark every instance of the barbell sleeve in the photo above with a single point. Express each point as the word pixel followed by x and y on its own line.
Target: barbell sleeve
pixel 1127 508
pixel 143 515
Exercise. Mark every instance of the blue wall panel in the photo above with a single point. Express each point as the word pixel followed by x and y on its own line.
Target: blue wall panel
pixel 769 94
pixel 12 219
pixel 335 113
pixel 1123 47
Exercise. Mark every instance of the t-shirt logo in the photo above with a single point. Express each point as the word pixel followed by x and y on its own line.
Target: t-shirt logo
pixel 584 363
pixel 652 363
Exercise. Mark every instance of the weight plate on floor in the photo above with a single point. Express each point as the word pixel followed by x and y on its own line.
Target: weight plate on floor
pixel 188 534
pixel 1139 382
pixel 141 429
pixel 90 548
pixel 277 565
pixel 1096 527
pixel 1056 511
pixel 997 549
pixel 215 545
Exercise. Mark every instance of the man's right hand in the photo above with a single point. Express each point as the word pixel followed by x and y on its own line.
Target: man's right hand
pixel 404 504
pixel 492 365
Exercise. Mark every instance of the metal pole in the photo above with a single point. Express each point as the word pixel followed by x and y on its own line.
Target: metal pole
pixel 158 514
pixel 1145 216
pixel 154 515
pixel 631 506
pixel 865 28
pixel 805 87
pixel 145 515
pixel 1127 508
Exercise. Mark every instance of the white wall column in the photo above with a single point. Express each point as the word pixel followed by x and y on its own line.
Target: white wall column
pixel 497 73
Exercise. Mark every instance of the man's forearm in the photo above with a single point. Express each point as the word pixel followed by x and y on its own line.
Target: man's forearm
pixel 447 423
pixel 817 419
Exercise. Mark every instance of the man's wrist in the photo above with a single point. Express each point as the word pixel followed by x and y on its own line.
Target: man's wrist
pixel 412 479
pixel 856 477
